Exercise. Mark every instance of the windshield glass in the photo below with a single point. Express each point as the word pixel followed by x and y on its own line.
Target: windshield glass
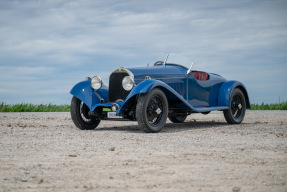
pixel 171 58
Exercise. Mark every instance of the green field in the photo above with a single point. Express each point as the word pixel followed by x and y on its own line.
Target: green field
pixel 66 108
pixel 33 108
pixel 281 106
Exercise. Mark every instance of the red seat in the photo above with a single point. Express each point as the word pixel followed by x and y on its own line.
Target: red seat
pixel 200 76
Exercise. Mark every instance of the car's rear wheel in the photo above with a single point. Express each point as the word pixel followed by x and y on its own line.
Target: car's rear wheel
pixel 237 107
pixel 152 110
pixel 177 118
pixel 80 115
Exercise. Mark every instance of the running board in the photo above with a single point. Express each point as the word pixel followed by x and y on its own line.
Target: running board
pixel 207 109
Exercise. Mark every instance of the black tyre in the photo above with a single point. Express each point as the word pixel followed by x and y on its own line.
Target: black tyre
pixel 152 110
pixel 177 118
pixel 80 115
pixel 237 107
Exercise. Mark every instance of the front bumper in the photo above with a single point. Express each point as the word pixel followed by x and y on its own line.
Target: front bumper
pixel 107 105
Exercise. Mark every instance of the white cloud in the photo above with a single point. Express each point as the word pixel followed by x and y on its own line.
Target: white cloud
pixel 64 40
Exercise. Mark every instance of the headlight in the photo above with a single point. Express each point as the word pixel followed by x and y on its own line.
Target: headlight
pixel 128 83
pixel 96 82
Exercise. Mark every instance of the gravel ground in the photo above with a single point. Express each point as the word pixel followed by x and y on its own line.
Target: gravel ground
pixel 46 152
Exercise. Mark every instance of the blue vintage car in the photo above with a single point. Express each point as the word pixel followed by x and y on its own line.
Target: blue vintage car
pixel 164 89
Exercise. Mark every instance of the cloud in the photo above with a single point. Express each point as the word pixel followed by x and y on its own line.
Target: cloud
pixel 58 43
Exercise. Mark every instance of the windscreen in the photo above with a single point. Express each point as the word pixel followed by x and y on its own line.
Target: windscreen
pixel 171 58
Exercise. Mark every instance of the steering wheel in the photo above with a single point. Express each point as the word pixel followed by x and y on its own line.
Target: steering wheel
pixel 158 63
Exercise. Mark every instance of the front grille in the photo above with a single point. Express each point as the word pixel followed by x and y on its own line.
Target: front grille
pixel 116 90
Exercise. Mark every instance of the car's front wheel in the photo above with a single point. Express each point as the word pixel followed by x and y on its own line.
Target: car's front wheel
pixel 152 111
pixel 237 107
pixel 80 115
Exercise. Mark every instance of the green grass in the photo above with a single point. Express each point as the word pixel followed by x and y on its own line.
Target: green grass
pixel 66 108
pixel 281 106
pixel 33 108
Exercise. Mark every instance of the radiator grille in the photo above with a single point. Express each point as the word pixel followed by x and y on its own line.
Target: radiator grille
pixel 116 90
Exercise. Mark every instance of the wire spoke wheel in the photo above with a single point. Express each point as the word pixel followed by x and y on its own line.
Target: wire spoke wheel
pixel 84 111
pixel 152 110
pixel 237 107
pixel 80 115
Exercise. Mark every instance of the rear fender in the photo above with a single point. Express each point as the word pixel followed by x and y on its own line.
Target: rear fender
pixel 88 95
pixel 226 90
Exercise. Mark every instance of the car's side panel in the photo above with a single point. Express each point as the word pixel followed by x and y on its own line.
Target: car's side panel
pixel 87 94
pixel 198 92
pixel 213 94
pixel 204 93
pixel 173 75
pixel 226 90
pixel 171 94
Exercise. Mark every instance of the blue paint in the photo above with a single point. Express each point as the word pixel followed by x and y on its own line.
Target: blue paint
pixel 171 94
pixel 226 91
pixel 181 89
pixel 204 93
pixel 172 75
pixel 85 93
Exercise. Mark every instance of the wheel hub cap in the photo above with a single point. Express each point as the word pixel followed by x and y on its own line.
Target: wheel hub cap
pixel 239 106
pixel 158 111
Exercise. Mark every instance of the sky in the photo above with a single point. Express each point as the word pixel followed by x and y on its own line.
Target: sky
pixel 47 46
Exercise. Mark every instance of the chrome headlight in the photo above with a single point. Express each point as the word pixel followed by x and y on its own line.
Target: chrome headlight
pixel 128 83
pixel 96 82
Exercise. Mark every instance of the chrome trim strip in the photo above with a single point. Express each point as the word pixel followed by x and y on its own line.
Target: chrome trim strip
pixel 130 73
pixel 122 69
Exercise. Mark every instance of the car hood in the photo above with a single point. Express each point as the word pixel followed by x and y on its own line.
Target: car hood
pixel 158 72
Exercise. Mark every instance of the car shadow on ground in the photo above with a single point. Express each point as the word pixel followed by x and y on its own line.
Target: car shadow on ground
pixel 169 127
pixel 175 127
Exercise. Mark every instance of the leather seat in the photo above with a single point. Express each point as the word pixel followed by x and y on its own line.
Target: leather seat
pixel 200 76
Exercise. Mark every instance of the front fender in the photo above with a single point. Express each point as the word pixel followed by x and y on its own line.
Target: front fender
pixel 86 93
pixel 226 90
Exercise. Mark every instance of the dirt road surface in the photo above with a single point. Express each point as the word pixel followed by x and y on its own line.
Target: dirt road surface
pixel 46 152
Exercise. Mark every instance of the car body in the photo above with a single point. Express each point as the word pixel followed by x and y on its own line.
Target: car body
pixel 154 93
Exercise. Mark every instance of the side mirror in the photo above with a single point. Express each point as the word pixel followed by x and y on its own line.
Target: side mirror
pixel 189 70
